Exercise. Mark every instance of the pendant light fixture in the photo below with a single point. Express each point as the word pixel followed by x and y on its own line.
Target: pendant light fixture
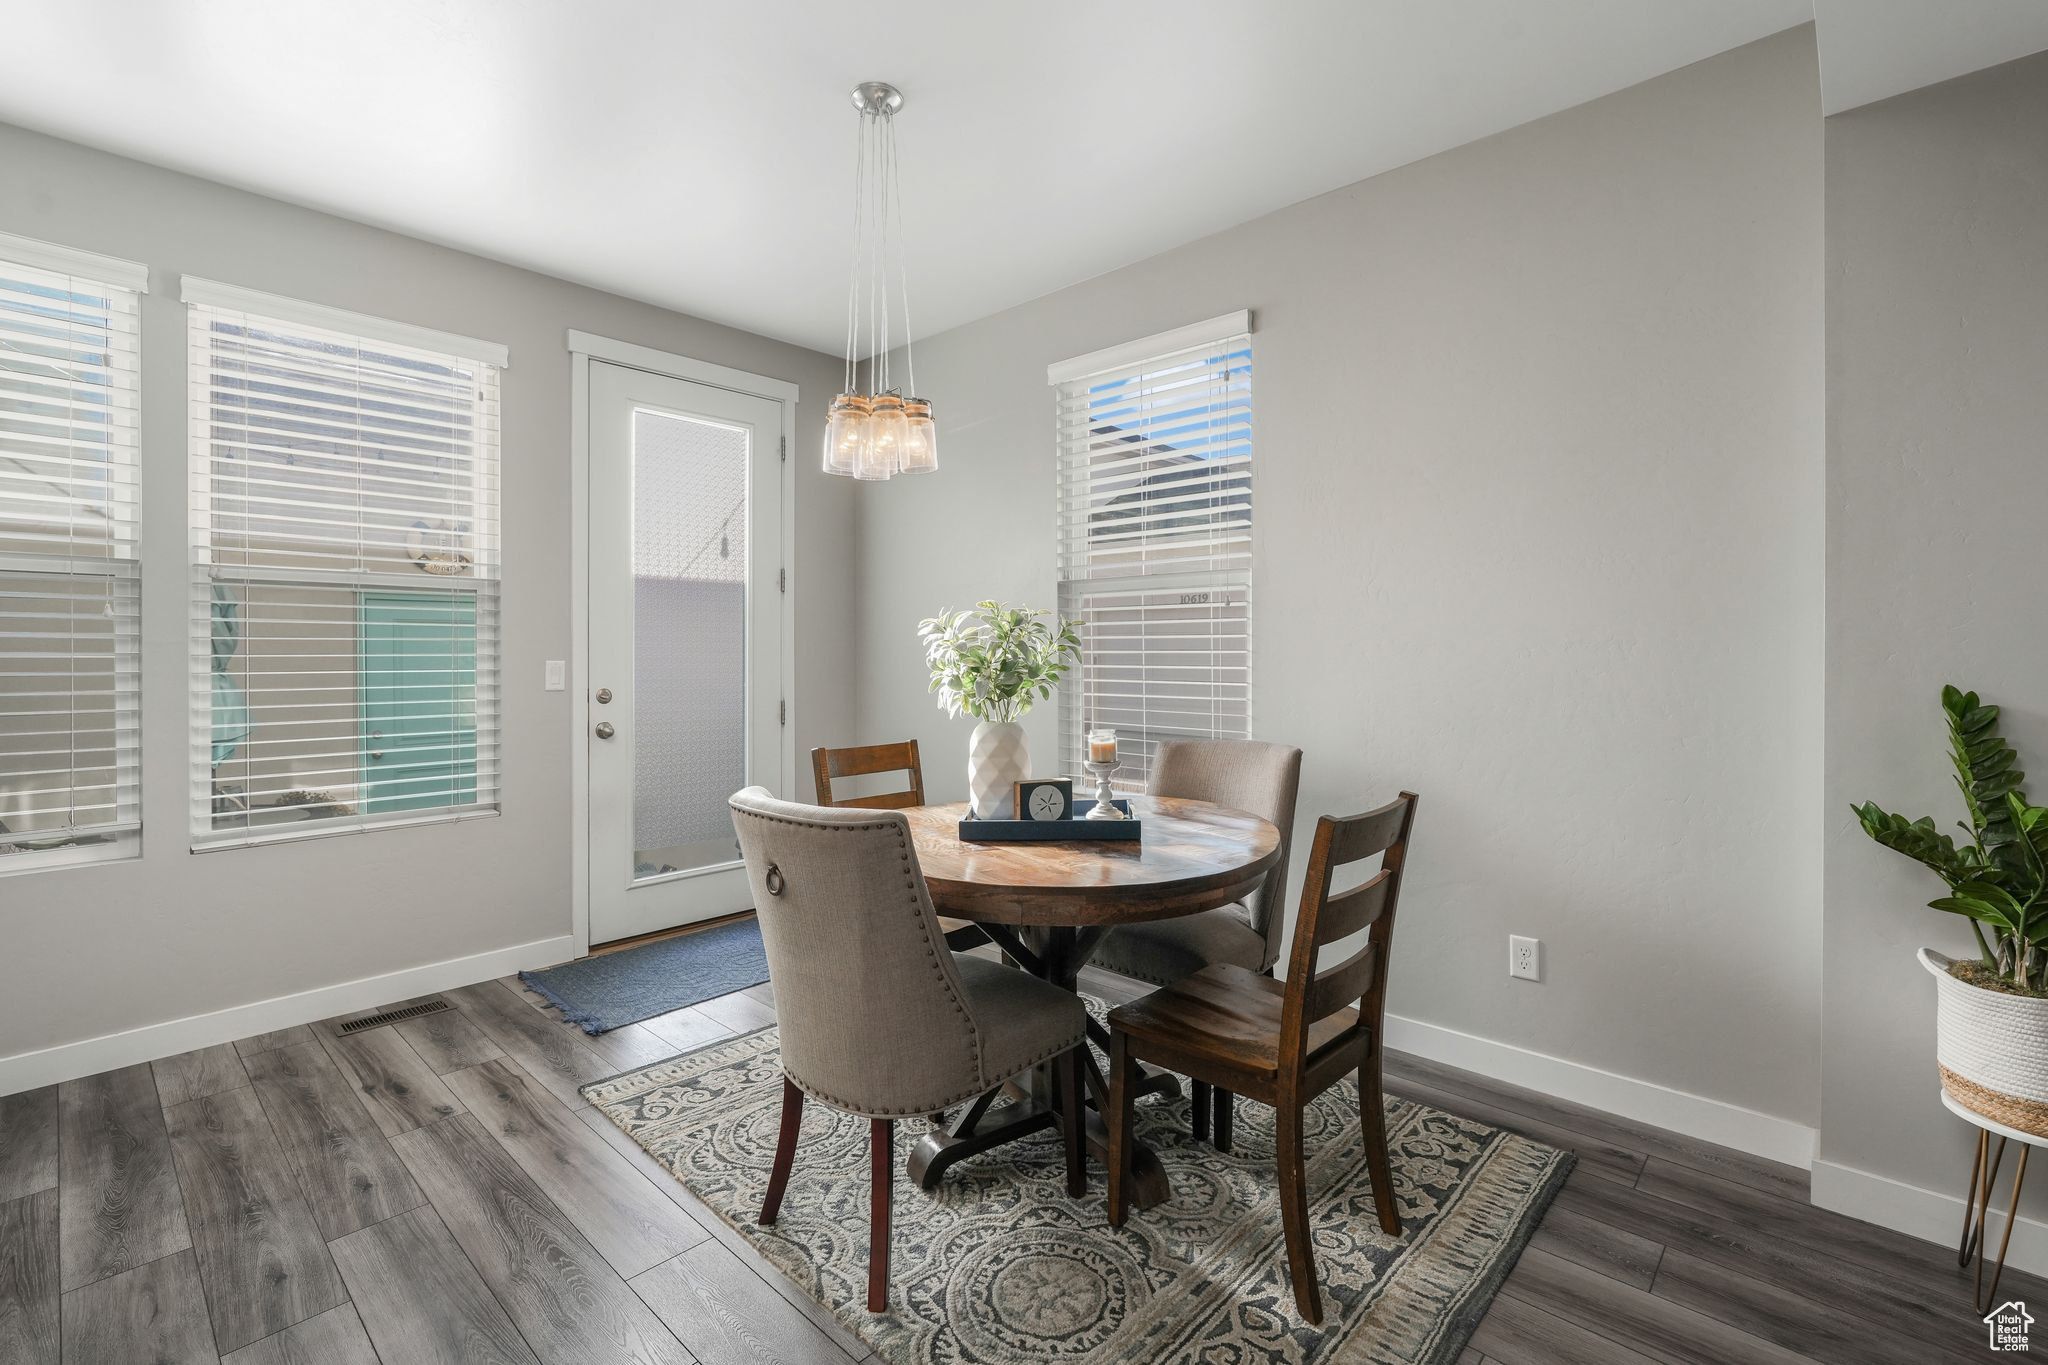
pixel 874 430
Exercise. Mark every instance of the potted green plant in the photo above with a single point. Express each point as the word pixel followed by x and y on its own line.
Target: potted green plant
pixel 992 663
pixel 1991 1013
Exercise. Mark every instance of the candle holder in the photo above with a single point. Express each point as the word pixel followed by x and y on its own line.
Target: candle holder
pixel 1105 800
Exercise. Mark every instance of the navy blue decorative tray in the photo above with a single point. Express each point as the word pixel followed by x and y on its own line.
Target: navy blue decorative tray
pixel 1075 830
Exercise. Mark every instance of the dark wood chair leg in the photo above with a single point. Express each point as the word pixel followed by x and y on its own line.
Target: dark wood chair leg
pixel 1301 1264
pixel 1074 1122
pixel 882 1158
pixel 1122 1100
pixel 1226 1113
pixel 785 1149
pixel 1199 1109
pixel 1372 1119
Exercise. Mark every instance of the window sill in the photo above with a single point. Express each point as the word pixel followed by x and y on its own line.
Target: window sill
pixel 214 841
pixel 119 850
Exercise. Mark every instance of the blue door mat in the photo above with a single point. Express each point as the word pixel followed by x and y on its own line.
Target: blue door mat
pixel 611 990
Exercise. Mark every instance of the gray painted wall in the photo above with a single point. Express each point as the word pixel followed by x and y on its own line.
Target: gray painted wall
pixel 1937 233
pixel 1538 503
pixel 89 951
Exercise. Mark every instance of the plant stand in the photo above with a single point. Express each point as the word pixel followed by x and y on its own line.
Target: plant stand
pixel 1977 1204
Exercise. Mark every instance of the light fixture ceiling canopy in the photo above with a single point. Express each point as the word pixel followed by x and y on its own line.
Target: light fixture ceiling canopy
pixel 876 98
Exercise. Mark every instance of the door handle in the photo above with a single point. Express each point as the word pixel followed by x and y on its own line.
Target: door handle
pixel 605 730
pixel 604 696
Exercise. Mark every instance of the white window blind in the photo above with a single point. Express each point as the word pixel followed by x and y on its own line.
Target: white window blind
pixel 345 578
pixel 70 679
pixel 1155 525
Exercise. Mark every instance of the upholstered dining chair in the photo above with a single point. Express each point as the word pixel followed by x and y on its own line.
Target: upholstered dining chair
pixel 877 1017
pixel 1285 1044
pixel 1249 775
pixel 871 760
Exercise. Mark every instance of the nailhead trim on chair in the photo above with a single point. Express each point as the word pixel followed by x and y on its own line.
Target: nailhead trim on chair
pixel 910 882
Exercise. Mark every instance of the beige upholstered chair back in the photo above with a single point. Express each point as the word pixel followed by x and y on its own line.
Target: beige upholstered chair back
pixel 1249 775
pixel 873 1016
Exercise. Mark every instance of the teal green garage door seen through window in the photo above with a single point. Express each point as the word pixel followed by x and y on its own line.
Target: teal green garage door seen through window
pixel 418 700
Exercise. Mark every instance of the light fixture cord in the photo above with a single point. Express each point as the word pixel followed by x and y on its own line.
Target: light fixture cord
pixel 877 199
pixel 902 258
pixel 885 133
pixel 860 149
pixel 875 294
pixel 866 272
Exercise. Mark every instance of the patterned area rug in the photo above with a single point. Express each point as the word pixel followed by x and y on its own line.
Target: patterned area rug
pixel 999 1267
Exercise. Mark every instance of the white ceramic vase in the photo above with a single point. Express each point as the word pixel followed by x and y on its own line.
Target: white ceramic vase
pixel 1992 1048
pixel 997 760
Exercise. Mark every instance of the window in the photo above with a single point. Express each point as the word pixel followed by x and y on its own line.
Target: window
pixel 344 628
pixel 69 573
pixel 1155 524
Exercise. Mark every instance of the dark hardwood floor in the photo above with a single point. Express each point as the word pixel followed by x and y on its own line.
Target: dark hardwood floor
pixel 435 1191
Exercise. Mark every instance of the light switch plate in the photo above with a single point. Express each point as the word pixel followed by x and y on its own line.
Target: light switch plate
pixel 558 674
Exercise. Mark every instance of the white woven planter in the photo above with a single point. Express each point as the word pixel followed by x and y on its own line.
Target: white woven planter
pixel 1992 1047
pixel 997 760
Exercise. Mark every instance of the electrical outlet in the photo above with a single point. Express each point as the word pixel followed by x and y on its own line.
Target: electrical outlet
pixel 1525 957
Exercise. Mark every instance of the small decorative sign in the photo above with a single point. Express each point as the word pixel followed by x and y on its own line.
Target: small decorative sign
pixel 1045 798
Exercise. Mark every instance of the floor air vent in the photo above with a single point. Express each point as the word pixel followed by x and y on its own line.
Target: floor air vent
pixel 393 1016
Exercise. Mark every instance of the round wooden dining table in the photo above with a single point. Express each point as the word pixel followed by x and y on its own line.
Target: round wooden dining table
pixel 1047 905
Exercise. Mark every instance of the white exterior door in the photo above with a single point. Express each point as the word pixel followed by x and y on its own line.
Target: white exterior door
pixel 686 639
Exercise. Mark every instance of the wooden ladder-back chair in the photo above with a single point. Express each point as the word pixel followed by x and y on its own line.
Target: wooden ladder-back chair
pixel 1283 1045
pixel 869 760
pixel 1245 774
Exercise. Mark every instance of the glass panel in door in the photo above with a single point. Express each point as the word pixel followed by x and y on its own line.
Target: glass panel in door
pixel 689 639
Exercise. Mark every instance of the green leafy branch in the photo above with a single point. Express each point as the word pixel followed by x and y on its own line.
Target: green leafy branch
pixel 1999 879
pixel 994 662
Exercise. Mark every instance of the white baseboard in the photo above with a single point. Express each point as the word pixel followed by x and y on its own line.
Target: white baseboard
pixel 1923 1213
pixel 1730 1125
pixel 88 1056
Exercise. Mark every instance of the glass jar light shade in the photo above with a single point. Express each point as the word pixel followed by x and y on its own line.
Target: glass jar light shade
pixel 846 428
pixel 888 434
pixel 921 451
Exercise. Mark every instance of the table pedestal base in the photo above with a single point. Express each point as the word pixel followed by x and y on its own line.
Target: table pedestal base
pixel 982 1126
pixel 976 1131
pixel 1052 954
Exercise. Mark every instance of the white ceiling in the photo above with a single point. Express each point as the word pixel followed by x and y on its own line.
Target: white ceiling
pixel 1874 49
pixel 700 155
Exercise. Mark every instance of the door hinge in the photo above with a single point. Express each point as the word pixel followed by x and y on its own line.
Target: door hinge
pixel 782 713
pixel 783 441
pixel 782 580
